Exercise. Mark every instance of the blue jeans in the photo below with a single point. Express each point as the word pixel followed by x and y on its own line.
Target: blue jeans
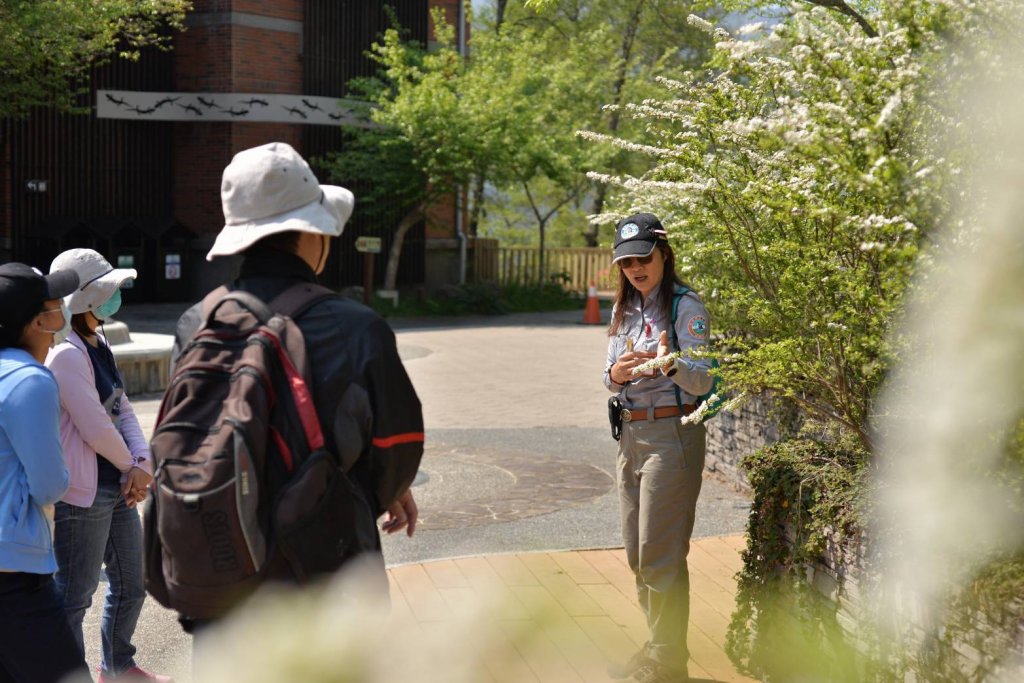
pixel 36 645
pixel 85 540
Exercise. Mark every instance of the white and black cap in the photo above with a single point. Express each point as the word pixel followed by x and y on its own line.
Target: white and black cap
pixel 637 235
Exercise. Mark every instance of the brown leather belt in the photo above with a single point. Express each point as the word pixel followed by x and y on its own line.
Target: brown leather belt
pixel 639 414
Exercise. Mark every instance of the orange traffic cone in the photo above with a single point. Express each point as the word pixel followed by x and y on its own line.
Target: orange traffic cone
pixel 592 313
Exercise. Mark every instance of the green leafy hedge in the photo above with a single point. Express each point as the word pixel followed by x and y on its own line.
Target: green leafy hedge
pixel 484 299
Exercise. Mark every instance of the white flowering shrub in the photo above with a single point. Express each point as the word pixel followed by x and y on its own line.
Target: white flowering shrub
pixel 820 173
pixel 797 191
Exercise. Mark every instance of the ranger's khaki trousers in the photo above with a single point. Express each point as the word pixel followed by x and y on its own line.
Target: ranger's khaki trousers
pixel 659 471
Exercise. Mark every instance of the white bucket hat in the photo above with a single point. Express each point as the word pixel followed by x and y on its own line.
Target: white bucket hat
pixel 271 189
pixel 98 280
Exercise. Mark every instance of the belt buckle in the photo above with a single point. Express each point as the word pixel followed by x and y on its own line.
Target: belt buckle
pixel 626 415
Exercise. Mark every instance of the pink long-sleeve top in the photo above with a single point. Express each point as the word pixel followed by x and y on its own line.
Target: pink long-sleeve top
pixel 86 429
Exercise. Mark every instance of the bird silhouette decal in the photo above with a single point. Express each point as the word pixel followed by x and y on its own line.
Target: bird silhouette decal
pixel 253 101
pixel 115 100
pixel 295 110
pixel 192 108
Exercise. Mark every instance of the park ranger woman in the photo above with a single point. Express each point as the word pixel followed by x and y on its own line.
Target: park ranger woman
pixel 661 452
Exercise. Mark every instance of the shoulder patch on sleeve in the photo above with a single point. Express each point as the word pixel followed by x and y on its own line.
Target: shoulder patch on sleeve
pixel 697 325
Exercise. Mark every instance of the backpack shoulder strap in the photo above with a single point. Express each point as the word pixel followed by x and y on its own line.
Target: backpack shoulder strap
pixel 220 295
pixel 676 298
pixel 299 298
pixel 292 303
pixel 211 299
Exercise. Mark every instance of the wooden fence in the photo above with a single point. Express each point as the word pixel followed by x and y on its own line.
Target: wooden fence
pixel 573 268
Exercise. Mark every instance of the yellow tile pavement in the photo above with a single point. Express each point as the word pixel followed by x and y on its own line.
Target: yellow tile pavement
pixel 562 616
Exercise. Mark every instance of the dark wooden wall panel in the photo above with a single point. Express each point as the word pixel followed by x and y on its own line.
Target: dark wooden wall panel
pixel 109 183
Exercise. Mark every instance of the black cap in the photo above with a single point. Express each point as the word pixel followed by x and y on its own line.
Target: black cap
pixel 23 289
pixel 637 235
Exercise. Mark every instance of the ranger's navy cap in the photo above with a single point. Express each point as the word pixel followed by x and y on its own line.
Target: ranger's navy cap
pixel 23 289
pixel 637 235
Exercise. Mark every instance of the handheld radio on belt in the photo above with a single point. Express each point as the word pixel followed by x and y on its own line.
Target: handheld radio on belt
pixel 615 416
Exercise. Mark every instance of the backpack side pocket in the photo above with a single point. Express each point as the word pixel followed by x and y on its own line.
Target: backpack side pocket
pixel 153 552
pixel 321 519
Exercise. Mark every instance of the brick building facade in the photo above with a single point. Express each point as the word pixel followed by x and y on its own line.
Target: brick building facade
pixel 146 192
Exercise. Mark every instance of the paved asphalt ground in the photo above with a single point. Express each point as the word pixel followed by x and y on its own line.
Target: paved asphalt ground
pixel 518 452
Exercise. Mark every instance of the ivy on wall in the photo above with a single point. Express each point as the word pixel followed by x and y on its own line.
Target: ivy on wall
pixel 806 498
pixel 806 524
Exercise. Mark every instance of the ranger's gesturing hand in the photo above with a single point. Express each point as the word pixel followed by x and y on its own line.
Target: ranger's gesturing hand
pixel 621 371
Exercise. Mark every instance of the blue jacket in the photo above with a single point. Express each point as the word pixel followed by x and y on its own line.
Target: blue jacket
pixel 32 471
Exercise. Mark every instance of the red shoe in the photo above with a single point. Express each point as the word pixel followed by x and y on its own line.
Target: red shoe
pixel 136 673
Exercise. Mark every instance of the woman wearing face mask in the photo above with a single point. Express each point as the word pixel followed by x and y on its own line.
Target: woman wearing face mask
pixel 36 644
pixel 97 525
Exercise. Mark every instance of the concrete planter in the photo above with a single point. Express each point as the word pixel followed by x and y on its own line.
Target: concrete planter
pixel 142 358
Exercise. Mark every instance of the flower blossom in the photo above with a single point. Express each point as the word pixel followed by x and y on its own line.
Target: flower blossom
pixel 698 415
pixel 701 24
pixel 889 110
pixel 656 363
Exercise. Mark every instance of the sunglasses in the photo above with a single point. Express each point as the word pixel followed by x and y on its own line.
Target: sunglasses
pixel 642 260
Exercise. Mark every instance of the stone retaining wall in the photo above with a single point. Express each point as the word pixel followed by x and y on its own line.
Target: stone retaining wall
pixel 736 433
pixel 840 577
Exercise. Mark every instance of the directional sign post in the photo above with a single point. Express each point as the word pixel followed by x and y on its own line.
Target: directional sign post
pixel 368 246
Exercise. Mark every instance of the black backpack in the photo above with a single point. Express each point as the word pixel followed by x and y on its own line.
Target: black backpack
pixel 244 490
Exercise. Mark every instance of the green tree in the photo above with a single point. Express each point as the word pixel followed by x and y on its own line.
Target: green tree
pixel 647 39
pixel 417 146
pixel 797 198
pixel 441 121
pixel 506 117
pixel 620 48
pixel 526 99
pixel 48 48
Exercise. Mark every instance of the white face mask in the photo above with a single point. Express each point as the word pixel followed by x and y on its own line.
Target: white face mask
pixel 61 334
pixel 64 331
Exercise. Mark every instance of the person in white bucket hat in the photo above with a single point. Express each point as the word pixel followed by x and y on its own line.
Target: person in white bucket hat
pixel 100 282
pixel 270 190
pixel 97 526
pixel 280 219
